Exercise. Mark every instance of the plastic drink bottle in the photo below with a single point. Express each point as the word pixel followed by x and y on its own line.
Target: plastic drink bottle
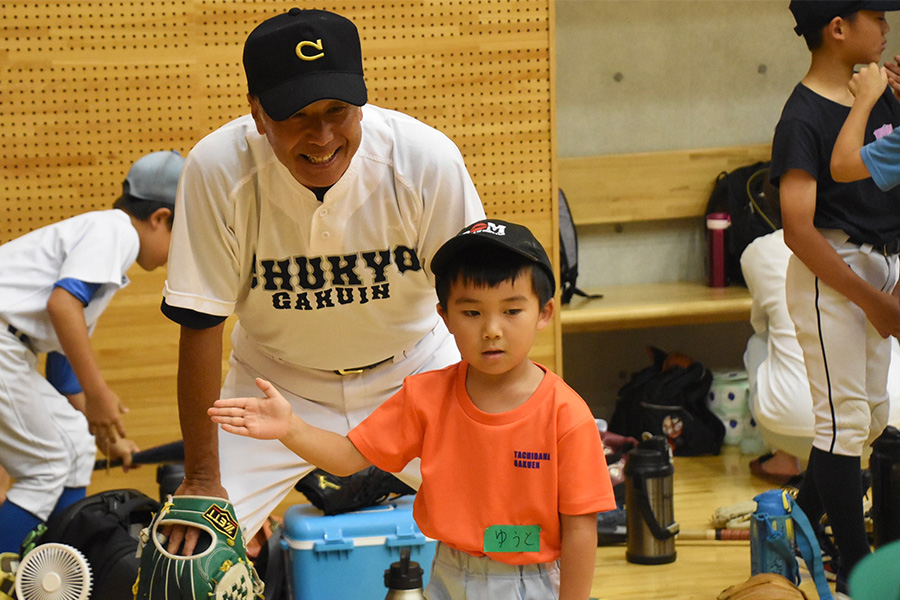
pixel 716 224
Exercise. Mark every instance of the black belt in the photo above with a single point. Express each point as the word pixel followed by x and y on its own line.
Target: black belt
pixel 890 247
pixel 358 370
pixel 22 337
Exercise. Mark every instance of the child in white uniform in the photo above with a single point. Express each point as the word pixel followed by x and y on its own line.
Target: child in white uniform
pixel 845 238
pixel 54 284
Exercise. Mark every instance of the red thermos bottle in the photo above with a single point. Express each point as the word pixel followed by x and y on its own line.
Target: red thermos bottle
pixel 716 224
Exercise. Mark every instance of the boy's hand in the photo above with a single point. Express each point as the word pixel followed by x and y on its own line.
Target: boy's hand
pixel 104 414
pixel 266 418
pixel 893 75
pixel 122 448
pixel 884 314
pixel 868 84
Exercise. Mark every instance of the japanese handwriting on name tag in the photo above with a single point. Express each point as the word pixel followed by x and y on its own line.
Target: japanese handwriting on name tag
pixel 512 538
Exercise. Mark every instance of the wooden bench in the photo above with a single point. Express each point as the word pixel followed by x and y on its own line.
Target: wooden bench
pixel 651 186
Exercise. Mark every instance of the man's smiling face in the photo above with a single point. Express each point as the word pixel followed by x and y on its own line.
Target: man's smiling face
pixel 316 143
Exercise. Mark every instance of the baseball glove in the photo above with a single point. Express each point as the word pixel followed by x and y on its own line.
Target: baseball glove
pixel 221 571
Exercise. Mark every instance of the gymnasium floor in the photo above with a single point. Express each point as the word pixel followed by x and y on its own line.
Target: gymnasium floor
pixel 701 570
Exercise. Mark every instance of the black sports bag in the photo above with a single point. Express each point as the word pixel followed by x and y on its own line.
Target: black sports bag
pixel 106 528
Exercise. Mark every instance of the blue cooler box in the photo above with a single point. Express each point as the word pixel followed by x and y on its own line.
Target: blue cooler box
pixel 345 556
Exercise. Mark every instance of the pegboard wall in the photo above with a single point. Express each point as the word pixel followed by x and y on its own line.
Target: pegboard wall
pixel 88 87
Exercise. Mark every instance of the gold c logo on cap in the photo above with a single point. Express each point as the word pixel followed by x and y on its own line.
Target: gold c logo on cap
pixel 316 44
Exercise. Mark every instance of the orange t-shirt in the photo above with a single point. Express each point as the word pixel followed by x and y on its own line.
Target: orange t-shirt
pixel 480 470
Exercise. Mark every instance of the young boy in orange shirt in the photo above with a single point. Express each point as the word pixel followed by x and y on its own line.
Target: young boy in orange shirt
pixel 508 450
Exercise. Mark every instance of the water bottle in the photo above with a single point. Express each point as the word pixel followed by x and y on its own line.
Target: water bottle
pixel 772 536
pixel 778 526
pixel 649 508
pixel 716 224
pixel 884 464
pixel 404 579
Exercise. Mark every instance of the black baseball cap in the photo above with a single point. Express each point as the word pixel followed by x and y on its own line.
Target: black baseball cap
pixel 302 56
pixel 811 15
pixel 488 234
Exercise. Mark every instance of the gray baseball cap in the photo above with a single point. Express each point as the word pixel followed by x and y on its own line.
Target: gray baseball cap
pixel 155 177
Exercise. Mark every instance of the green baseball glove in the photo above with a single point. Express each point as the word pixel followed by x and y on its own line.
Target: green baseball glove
pixel 221 571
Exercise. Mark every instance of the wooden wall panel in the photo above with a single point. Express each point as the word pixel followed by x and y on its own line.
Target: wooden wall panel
pixel 88 87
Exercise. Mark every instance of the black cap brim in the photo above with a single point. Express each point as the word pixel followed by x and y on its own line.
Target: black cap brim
pixel 446 254
pixel 283 101
pixel 881 5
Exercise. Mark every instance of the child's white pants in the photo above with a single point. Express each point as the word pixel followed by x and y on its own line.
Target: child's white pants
pixel 846 359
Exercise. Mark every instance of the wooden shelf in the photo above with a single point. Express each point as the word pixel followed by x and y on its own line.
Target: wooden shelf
pixel 655 305
pixel 648 186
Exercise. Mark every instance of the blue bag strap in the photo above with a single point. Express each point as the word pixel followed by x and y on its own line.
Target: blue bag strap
pixel 777 542
pixel 808 544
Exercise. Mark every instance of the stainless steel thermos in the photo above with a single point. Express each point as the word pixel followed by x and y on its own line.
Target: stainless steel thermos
pixel 648 504
pixel 884 465
pixel 404 579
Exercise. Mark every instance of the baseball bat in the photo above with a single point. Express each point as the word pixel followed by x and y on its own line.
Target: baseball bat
pixel 171 452
pixel 713 534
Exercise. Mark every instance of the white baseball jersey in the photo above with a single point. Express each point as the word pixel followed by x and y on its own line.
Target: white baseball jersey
pixel 95 247
pixel 328 285
pixel 317 286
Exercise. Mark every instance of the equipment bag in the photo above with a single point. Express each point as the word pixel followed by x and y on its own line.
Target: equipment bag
pixel 106 528
pixel 611 525
pixel 752 203
pixel 271 560
pixel 668 398
pixel 568 254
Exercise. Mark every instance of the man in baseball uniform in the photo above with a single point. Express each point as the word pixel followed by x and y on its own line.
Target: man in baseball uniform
pixel 313 219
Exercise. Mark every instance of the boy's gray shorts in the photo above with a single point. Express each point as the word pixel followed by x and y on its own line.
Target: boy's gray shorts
pixel 456 574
